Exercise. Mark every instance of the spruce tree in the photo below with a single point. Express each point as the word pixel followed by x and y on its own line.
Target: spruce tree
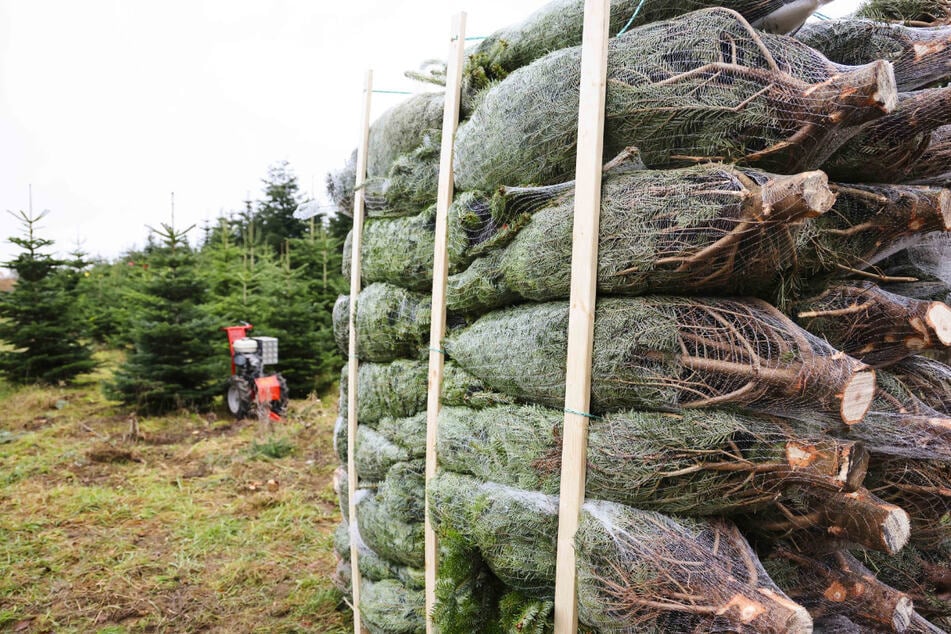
pixel 179 359
pixel 275 213
pixel 301 319
pixel 38 319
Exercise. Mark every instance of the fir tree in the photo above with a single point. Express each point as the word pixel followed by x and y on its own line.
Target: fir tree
pixel 300 318
pixel 275 213
pixel 178 358
pixel 38 319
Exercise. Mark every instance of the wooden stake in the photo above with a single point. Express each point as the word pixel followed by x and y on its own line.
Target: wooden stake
pixel 584 269
pixel 437 330
pixel 358 208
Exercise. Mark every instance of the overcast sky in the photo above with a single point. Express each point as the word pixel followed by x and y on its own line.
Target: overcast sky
pixel 108 106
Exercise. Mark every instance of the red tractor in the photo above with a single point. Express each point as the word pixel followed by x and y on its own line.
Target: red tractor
pixel 249 389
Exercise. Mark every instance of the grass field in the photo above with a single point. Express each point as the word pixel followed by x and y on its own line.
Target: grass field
pixel 202 524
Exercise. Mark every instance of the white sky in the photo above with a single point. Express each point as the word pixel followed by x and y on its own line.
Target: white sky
pixel 108 106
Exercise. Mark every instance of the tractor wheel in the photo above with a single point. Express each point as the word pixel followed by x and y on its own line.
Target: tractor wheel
pixel 240 397
pixel 279 406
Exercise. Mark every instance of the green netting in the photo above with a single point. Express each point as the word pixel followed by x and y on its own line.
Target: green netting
pixel 391 323
pixel 710 228
pixel 920 56
pixel 638 571
pixel 340 185
pixel 667 353
pixel 696 463
pixel 400 250
pixel 402 129
pixel 376 454
pixel 391 519
pixel 699 88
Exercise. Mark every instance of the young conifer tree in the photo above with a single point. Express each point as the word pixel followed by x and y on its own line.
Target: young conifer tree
pixel 38 319
pixel 179 359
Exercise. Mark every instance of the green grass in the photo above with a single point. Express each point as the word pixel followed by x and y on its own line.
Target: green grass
pixel 202 524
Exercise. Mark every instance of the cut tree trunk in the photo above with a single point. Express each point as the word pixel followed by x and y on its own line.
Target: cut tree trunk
pixel 634 567
pixel 887 149
pixel 838 584
pixel 920 56
pixel 699 462
pixel 923 489
pixel 709 228
pixel 701 88
pixel 868 223
pixel 669 353
pixel 874 326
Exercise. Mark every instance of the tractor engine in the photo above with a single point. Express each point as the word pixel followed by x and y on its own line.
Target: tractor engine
pixel 250 389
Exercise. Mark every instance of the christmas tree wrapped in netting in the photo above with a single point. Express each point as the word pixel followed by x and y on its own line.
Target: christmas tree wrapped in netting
pixel 769 437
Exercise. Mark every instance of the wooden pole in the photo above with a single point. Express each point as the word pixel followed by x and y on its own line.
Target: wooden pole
pixel 440 275
pixel 358 208
pixel 584 268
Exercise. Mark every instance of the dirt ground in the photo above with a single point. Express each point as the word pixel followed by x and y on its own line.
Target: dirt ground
pixel 199 524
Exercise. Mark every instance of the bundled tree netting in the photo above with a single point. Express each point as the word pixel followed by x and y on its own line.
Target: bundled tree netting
pixel 402 129
pixel 889 149
pixel 400 250
pixel 899 423
pixel 817 523
pixel 867 224
pixel 395 436
pixel 920 56
pixel 668 353
pixel 922 270
pixel 391 322
pixel 838 584
pixel 709 228
pixel 910 12
pixel 372 566
pixel 720 411
pixel 558 25
pixel 925 576
pixel 923 488
pixel 638 571
pixel 341 183
pixel 927 379
pixel 693 463
pixel 696 89
pixel 391 518
pixel 409 185
pixel 933 166
pixel 875 326
pixel 391 606
pixel 398 390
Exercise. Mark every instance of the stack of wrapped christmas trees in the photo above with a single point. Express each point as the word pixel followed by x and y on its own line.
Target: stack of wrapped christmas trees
pixel 770 428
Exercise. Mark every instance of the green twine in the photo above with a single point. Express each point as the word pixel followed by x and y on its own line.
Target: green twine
pixel 585 414
pixel 631 21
